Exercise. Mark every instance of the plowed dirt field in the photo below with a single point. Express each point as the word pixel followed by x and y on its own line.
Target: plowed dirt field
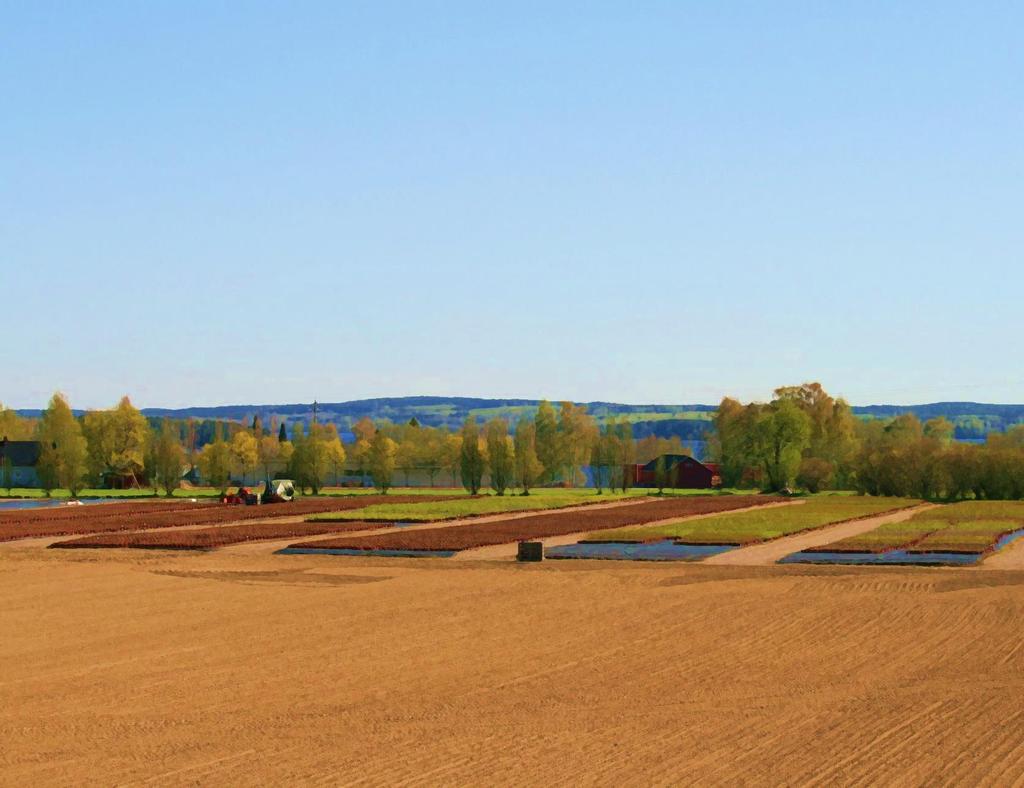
pixel 109 518
pixel 222 669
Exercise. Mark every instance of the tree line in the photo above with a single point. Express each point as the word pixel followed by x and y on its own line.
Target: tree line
pixel 121 447
pixel 806 438
pixel 802 438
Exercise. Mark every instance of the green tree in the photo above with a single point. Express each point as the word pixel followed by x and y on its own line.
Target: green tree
pixel 940 429
pixel 451 456
pixel 245 452
pixel 528 466
pixel 577 431
pixel 624 453
pixel 118 441
pixel 298 467
pixel 63 452
pixel 269 450
pixel 322 450
pixel 730 443
pixel 471 458
pixel 781 433
pixel 13 427
pixel 168 457
pixel 549 449
pixel 364 431
pixel 381 460
pixel 215 462
pixel 661 474
pixel 815 474
pixel 500 456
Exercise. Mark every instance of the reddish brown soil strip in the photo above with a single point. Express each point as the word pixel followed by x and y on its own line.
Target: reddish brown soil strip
pixel 199 514
pixel 92 511
pixel 539 526
pixel 220 536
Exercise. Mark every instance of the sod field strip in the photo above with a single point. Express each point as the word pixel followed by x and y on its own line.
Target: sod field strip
pixel 885 537
pixel 958 534
pixel 154 516
pixel 459 509
pixel 92 511
pixel 537 526
pixel 218 536
pixel 760 525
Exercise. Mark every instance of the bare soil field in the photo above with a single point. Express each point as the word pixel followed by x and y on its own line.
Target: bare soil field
pixel 147 516
pixel 223 669
pixel 539 526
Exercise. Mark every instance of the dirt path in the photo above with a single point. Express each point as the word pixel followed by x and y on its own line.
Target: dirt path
pixel 767 553
pixel 510 550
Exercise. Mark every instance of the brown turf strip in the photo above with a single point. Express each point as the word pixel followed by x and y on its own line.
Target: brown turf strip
pixel 221 536
pixel 93 511
pixel 540 526
pixel 200 514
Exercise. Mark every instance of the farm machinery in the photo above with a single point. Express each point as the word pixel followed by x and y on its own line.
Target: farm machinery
pixel 276 491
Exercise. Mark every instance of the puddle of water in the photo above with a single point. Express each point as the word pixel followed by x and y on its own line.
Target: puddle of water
pixel 370 553
pixel 893 557
pixel 644 551
pixel 49 503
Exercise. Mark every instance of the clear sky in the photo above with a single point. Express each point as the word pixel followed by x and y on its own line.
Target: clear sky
pixel 213 203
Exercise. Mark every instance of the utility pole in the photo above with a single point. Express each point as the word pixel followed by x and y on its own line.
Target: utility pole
pixel 314 411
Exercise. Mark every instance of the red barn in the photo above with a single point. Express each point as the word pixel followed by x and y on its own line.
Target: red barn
pixel 681 471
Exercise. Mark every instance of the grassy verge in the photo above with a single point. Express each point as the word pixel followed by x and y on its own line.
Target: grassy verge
pixel 476 507
pixel 759 525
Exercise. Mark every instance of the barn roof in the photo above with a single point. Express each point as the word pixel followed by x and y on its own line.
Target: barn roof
pixel 20 453
pixel 671 460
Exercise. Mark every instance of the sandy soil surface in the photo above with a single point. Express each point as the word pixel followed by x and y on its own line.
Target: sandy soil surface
pixel 768 553
pixel 234 669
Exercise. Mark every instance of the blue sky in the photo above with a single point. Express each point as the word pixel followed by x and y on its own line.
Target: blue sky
pixel 211 203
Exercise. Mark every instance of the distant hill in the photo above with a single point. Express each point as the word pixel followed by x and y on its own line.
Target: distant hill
pixel 688 421
pixel 973 420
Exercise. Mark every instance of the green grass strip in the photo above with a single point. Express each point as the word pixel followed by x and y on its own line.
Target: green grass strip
pixel 761 524
pixel 474 507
